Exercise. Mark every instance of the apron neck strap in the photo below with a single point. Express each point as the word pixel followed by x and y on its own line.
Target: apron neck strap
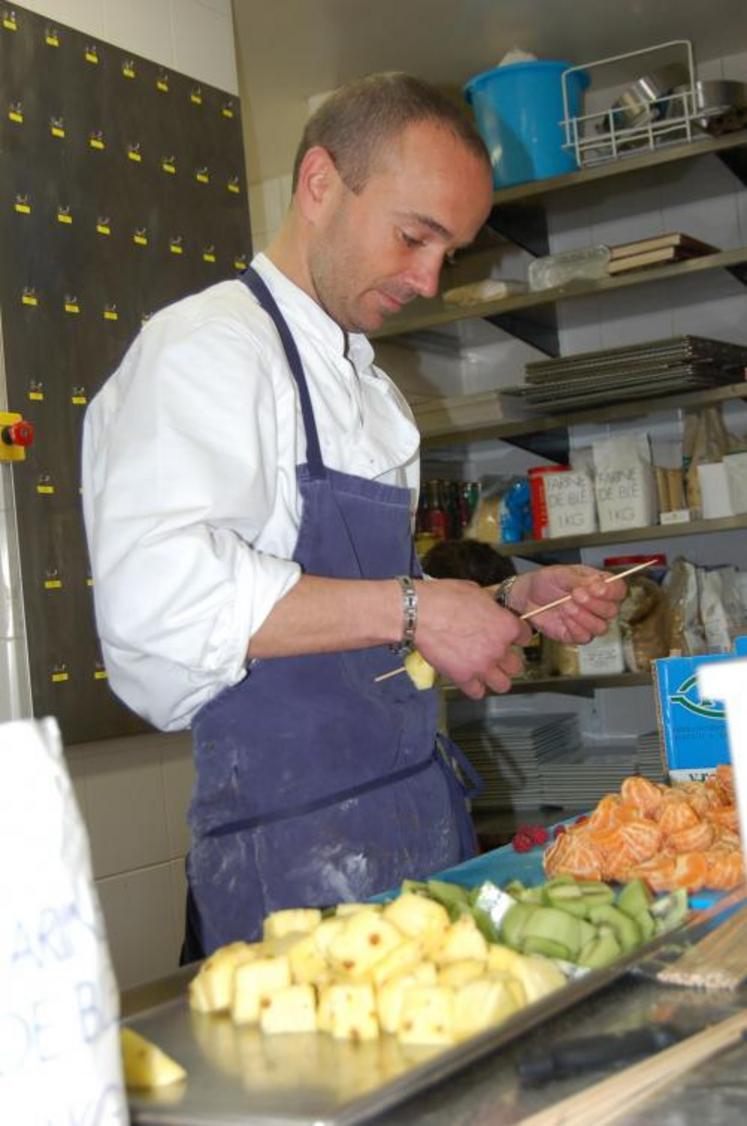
pixel 313 451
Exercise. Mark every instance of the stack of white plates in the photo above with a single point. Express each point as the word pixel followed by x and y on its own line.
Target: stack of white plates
pixel 507 751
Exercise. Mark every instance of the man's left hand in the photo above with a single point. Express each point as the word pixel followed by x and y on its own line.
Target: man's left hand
pixel 587 614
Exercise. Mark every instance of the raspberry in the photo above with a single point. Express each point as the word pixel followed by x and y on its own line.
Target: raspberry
pixel 539 834
pixel 558 831
pixel 581 820
pixel 522 842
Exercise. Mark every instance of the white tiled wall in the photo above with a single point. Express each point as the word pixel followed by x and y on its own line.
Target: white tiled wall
pixel 133 792
pixel 269 200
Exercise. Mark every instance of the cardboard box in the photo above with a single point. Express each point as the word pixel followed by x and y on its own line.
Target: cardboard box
pixel 693 730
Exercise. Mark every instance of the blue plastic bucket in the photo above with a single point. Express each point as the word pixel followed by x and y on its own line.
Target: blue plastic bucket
pixel 518 110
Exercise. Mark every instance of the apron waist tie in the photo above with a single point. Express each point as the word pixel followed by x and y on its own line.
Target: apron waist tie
pixel 322 803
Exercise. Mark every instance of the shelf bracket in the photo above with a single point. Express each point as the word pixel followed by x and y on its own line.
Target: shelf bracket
pixel 736 161
pixel 540 330
pixel 523 224
pixel 739 272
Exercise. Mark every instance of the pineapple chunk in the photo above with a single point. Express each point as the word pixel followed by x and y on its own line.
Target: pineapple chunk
pixel 254 983
pixel 327 930
pixel 481 1004
pixel 144 1064
pixel 344 909
pixel 419 671
pixel 427 1015
pixel 199 1001
pixel 323 1011
pixel 503 959
pixel 461 973
pixel 462 941
pixel 398 961
pixel 293 919
pixel 418 917
pixel 515 988
pixel 211 990
pixel 538 975
pixel 307 965
pixel 389 996
pixel 349 1012
pixel 363 940
pixel 292 1009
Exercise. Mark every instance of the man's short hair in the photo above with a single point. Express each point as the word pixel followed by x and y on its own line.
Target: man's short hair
pixel 363 114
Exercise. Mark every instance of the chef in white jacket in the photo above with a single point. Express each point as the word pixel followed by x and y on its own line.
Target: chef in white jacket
pixel 249 482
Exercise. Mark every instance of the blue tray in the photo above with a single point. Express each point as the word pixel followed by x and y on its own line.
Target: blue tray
pixel 505 864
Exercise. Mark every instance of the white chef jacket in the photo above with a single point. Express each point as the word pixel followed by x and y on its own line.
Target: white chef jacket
pixel 189 482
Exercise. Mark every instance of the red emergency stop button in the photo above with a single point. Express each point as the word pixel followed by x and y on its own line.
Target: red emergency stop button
pixel 19 433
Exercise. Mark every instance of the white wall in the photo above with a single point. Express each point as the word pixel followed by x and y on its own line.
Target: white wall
pixel 133 792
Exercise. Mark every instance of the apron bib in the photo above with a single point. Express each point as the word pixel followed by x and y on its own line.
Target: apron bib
pixel 315 784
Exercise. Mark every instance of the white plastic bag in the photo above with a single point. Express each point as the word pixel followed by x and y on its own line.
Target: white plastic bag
pixel 59 1036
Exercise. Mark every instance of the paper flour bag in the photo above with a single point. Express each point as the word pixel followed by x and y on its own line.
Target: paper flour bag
pixel 59 1040
pixel 624 482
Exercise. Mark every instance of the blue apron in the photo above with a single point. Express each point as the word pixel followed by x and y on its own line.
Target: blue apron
pixel 314 784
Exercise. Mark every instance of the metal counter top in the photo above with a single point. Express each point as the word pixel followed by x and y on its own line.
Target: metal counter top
pixel 487 1093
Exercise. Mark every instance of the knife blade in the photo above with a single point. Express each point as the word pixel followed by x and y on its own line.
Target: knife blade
pixel 587 1053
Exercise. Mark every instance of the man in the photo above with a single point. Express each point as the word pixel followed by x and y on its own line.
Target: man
pixel 249 483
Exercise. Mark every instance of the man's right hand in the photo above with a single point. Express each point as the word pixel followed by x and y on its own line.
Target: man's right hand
pixel 467 637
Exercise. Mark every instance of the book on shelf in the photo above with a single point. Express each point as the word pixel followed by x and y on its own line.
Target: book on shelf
pixel 686 244
pixel 652 257
pixel 672 247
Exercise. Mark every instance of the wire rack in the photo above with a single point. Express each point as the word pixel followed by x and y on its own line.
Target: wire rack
pixel 669 119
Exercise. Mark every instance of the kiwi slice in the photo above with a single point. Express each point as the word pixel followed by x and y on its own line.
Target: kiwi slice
pixel 533 944
pixel 601 951
pixel 634 898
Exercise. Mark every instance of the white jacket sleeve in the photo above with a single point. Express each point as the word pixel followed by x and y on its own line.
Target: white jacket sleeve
pixel 179 474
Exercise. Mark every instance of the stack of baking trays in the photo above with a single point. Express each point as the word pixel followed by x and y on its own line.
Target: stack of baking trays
pixel 660 367
pixel 507 751
pixel 651 756
pixel 580 779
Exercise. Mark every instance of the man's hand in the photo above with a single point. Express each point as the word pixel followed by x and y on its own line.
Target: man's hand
pixel 467 637
pixel 593 603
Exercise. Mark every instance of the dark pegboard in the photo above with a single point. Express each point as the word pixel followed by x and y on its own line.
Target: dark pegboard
pixel 122 189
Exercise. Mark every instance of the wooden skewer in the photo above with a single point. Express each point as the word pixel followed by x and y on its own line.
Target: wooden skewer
pixel 613 1098
pixel 386 675
pixel 537 610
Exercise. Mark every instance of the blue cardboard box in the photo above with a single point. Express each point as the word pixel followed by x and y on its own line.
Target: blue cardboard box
pixel 693 729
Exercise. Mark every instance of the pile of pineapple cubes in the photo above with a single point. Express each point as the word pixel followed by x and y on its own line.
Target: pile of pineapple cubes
pixel 403 968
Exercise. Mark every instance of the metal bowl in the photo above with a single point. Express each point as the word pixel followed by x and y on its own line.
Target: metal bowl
pixel 719 105
pixel 640 101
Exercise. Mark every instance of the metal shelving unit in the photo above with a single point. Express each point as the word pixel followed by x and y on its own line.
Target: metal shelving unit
pixel 511 430
pixel 432 313
pixel 519 216
pixel 626 535
pixel 571 685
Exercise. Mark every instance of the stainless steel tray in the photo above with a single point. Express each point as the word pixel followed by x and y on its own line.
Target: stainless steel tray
pixel 235 1075
pixel 238 1077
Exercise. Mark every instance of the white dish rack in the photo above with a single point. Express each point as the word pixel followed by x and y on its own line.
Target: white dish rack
pixel 673 119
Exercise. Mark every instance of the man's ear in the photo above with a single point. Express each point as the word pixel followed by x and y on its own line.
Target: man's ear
pixel 318 183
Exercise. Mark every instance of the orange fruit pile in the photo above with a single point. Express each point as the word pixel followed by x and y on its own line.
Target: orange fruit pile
pixel 671 837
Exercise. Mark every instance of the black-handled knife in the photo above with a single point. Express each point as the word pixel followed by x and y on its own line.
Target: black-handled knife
pixel 573 1057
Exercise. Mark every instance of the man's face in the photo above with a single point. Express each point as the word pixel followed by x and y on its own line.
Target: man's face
pixel 426 195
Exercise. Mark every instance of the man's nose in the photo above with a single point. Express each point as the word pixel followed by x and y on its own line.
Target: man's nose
pixel 424 276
